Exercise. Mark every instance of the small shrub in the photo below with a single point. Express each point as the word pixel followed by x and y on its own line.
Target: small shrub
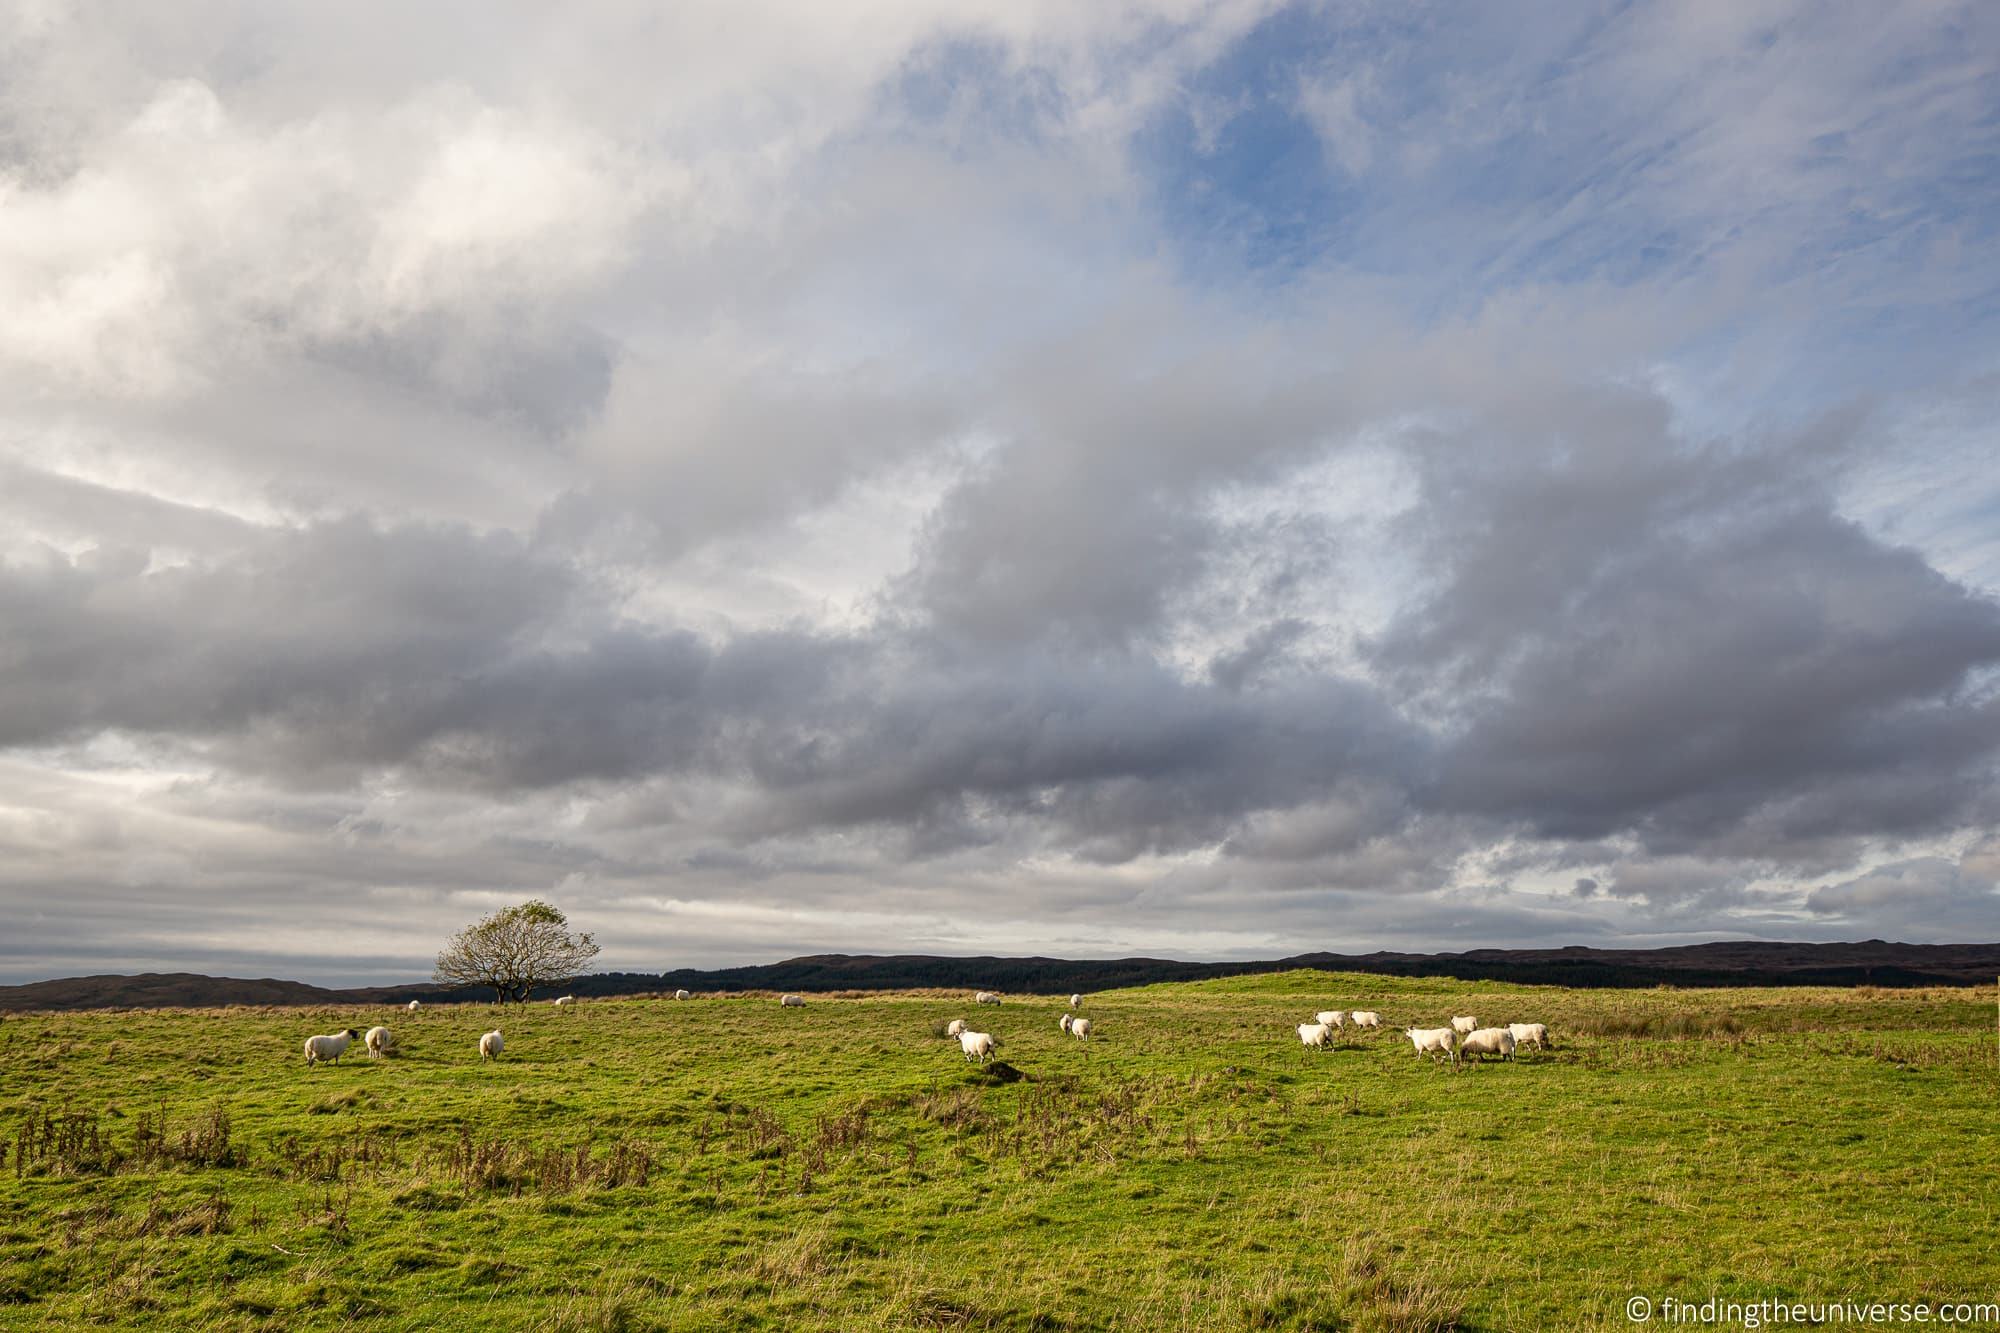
pixel 206 1142
pixel 68 1143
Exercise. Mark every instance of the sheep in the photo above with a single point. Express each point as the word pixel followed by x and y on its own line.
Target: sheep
pixel 1065 1021
pixel 1488 1041
pixel 378 1042
pixel 1333 1018
pixel 1434 1040
pixel 792 1001
pixel 1080 1029
pixel 1525 1033
pixel 953 1028
pixel 1076 1002
pixel 1314 1035
pixel 564 1001
pixel 682 995
pixel 977 1045
pixel 1464 1025
pixel 1366 1018
pixel 986 997
pixel 416 1005
pixel 329 1048
pixel 489 1046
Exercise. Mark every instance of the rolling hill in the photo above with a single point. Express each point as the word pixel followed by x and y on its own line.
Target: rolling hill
pixel 1722 963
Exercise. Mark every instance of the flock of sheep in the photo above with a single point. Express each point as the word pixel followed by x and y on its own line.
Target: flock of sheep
pixel 334 1045
pixel 979 1046
pixel 379 1042
pixel 1463 1038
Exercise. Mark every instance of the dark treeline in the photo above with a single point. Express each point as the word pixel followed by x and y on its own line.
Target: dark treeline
pixel 1730 963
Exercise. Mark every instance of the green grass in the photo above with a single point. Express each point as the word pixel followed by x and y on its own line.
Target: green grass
pixel 725 1164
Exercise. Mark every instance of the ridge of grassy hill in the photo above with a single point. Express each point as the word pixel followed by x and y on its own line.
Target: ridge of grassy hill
pixel 1720 963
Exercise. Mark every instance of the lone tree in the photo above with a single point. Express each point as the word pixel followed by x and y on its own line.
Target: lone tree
pixel 515 951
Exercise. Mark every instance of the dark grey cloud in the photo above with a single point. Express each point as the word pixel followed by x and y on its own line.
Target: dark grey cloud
pixel 307 632
pixel 1631 634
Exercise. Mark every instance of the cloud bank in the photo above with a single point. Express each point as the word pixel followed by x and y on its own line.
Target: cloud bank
pixel 1204 479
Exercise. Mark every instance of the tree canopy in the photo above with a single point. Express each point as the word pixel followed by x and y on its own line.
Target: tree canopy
pixel 516 950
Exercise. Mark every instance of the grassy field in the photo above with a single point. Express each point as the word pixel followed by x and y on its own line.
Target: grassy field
pixel 725 1164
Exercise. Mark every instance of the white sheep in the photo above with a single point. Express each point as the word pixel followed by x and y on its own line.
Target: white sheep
pixel 1080 1029
pixel 329 1048
pixel 489 1046
pixel 1484 1042
pixel 1436 1041
pixel 1366 1018
pixel 986 997
pixel 977 1045
pixel 416 1005
pixel 1524 1033
pixel 1464 1025
pixel 1333 1018
pixel 1065 1021
pixel 682 995
pixel 378 1042
pixel 792 1001
pixel 1076 1002
pixel 564 1001
pixel 1314 1035
pixel 953 1028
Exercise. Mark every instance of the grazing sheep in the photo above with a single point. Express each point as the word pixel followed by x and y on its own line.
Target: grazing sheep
pixel 682 995
pixel 953 1028
pixel 977 1045
pixel 792 1001
pixel 564 1001
pixel 1524 1033
pixel 1488 1041
pixel 378 1042
pixel 1366 1018
pixel 1314 1035
pixel 1464 1025
pixel 489 1046
pixel 1076 1002
pixel 329 1048
pixel 1080 1029
pixel 416 1005
pixel 1333 1018
pixel 986 997
pixel 1437 1041
pixel 1065 1021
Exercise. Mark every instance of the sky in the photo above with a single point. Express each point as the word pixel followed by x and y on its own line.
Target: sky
pixel 1209 480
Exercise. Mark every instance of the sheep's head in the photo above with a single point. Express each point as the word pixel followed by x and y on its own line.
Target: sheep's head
pixel 352 1033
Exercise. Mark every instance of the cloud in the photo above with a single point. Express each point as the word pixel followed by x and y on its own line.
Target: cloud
pixel 1632 634
pixel 194 239
pixel 1932 895
pixel 1205 478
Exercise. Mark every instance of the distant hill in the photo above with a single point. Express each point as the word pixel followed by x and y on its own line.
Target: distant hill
pixel 1725 963
pixel 158 990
